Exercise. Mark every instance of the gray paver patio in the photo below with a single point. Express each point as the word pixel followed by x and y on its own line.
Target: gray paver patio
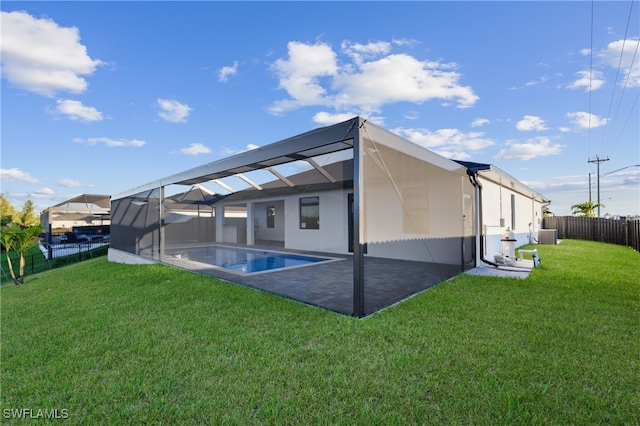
pixel 329 285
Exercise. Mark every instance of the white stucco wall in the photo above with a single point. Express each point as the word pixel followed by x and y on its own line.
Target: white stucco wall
pixel 496 205
pixel 333 233
pixel 260 221
pixel 332 237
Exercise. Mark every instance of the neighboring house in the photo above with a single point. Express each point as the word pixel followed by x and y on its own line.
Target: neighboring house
pixel 84 210
pixel 394 218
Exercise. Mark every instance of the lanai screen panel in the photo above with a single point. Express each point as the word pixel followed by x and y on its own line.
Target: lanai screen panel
pixel 412 222
pixel 301 205
pixel 135 226
pixel 189 216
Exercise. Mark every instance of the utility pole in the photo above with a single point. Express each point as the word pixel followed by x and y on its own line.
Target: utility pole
pixel 598 160
pixel 589 187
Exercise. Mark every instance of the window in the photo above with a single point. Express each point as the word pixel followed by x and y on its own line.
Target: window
pixel 271 217
pixel 310 213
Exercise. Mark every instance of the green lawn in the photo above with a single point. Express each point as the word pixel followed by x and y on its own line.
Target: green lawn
pixel 122 344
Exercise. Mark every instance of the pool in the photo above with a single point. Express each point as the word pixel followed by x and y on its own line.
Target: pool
pixel 246 261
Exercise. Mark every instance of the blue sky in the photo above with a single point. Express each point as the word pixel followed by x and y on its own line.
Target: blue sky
pixel 101 97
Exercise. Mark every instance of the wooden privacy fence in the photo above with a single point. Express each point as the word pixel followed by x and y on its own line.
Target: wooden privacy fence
pixel 616 231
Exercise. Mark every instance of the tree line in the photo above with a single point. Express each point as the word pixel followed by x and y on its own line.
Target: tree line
pixel 24 217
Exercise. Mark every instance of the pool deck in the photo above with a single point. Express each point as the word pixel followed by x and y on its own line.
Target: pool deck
pixel 329 285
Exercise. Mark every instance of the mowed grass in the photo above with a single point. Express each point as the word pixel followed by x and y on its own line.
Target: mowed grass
pixel 122 344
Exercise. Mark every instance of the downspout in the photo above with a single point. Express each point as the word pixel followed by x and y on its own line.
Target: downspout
pixel 473 178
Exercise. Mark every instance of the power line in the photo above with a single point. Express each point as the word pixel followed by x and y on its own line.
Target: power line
pixel 605 140
pixel 590 79
pixel 631 110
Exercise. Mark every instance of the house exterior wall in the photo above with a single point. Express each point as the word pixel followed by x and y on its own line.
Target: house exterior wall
pixel 262 232
pixel 504 208
pixel 332 237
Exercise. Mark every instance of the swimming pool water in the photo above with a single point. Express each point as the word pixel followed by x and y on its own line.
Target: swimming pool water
pixel 248 260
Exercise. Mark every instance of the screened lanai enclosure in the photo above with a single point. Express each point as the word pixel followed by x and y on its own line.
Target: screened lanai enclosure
pixel 348 217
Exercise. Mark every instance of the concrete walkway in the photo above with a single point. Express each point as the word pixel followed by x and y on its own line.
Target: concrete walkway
pixel 521 269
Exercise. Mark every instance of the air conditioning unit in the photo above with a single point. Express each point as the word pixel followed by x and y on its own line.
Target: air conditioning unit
pixel 548 236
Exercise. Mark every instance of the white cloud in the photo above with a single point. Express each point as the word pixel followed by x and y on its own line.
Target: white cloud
pixel 69 183
pixel 479 122
pixel 15 174
pixel 584 120
pixel 359 52
pixel 195 149
pixel 44 193
pixel 541 80
pixel 401 78
pixel 327 119
pixel 111 143
pixel 299 75
pixel 76 111
pixel 570 183
pixel 585 81
pixel 536 147
pixel 411 115
pixel 623 54
pixel 625 179
pixel 450 143
pixel 173 111
pixel 405 42
pixel 531 122
pixel 42 57
pixel 225 72
pixel 628 179
pixel 366 78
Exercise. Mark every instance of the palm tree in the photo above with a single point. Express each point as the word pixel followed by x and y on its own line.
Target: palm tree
pixel 587 208
pixel 20 240
pixel 7 237
pixel 24 241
